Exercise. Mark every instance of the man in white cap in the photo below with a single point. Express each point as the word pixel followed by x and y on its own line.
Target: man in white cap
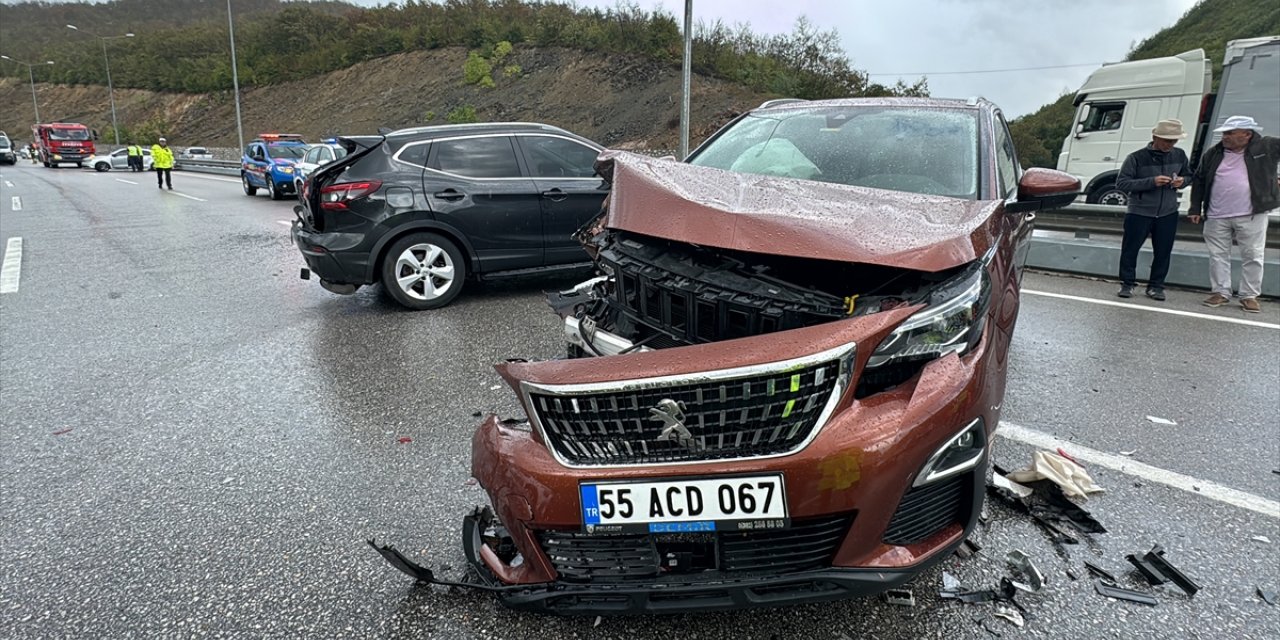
pixel 1237 180
pixel 1152 175
pixel 162 163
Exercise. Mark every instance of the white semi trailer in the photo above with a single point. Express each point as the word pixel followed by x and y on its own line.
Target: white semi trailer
pixel 1120 103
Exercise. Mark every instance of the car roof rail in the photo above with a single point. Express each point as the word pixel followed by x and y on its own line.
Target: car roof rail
pixel 779 101
pixel 973 101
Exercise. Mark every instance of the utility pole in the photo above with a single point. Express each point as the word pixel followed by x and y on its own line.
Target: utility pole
pixel 110 90
pixel 35 105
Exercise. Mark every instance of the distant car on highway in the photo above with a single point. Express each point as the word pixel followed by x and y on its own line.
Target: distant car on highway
pixel 119 159
pixel 268 163
pixel 196 153
pixel 421 209
pixel 315 157
pixel 7 154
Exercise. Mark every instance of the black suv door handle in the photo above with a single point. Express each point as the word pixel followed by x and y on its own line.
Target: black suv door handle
pixel 555 195
pixel 450 195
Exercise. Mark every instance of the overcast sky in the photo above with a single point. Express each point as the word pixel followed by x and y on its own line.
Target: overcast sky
pixel 939 36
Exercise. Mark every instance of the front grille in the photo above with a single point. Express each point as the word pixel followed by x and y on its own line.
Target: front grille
pixel 757 412
pixel 808 544
pixel 927 510
pixel 692 296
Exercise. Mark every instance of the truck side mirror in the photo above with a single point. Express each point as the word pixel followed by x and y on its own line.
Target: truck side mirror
pixel 1079 130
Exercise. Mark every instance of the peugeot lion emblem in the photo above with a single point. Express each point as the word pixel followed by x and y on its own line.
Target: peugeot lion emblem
pixel 671 414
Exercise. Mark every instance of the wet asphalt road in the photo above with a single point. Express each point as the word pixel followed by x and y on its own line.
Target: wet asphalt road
pixel 196 443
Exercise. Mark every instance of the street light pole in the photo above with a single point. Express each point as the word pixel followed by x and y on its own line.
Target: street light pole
pixel 235 74
pixel 35 105
pixel 107 61
pixel 685 73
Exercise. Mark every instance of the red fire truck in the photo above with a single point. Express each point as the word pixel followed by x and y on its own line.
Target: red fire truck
pixel 58 142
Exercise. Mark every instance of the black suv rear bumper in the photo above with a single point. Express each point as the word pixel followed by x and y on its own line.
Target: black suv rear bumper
pixel 334 257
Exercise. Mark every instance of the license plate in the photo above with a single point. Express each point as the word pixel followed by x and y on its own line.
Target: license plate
pixel 685 505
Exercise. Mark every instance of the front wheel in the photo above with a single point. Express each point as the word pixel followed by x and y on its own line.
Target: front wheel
pixel 101 166
pixel 272 190
pixel 423 271
pixel 1108 194
pixel 249 190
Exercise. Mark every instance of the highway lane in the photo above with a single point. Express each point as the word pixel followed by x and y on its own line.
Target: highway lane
pixel 196 443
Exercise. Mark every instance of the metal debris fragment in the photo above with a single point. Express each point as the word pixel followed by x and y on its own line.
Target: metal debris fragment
pixel 1267 596
pixel 1262 539
pixel 950 582
pixel 1163 421
pixel 1020 562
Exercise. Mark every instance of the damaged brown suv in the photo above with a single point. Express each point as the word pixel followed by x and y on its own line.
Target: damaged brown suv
pixel 784 380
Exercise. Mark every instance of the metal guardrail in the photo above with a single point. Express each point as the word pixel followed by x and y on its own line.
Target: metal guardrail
pixel 223 167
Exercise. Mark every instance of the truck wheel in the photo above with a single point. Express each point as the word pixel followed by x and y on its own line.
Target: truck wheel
pixel 1108 194
pixel 102 166
pixel 249 190
pixel 423 271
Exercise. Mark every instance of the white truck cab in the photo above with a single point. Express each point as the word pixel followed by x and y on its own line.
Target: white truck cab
pixel 1120 103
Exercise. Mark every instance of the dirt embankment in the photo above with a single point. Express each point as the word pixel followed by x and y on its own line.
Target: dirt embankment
pixel 627 102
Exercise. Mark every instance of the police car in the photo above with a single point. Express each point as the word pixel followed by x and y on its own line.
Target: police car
pixel 316 156
pixel 268 163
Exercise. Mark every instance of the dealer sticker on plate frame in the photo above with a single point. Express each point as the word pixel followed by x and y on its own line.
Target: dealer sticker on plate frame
pixel 685 505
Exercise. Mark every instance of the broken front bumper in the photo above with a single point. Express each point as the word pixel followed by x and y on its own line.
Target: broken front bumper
pixel 855 473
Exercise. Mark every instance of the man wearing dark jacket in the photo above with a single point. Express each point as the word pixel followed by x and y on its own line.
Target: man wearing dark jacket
pixel 1152 176
pixel 1236 186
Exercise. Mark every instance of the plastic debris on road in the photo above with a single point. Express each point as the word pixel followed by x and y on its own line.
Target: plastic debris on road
pixel 1011 615
pixel 1163 421
pixel 1262 539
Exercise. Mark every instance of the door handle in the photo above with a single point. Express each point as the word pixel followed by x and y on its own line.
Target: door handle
pixel 555 195
pixel 450 195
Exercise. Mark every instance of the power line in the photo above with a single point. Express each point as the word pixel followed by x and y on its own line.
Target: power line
pixel 953 73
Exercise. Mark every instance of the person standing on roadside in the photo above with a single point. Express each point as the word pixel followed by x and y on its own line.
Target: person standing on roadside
pixel 162 162
pixel 1152 176
pixel 1236 179
pixel 135 156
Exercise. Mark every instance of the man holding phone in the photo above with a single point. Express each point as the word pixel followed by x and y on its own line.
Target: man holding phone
pixel 1152 176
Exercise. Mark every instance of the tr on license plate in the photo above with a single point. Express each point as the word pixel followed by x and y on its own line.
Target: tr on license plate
pixel 685 505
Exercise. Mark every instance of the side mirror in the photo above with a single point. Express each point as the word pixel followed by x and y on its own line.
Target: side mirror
pixel 1044 189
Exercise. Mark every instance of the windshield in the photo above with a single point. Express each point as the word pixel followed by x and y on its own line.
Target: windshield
pixel 924 150
pixel 286 150
pixel 4 142
pixel 68 134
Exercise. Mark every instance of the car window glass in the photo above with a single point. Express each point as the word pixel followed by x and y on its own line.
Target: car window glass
pixel 313 155
pixel 1103 117
pixel 918 149
pixel 1005 160
pixel 488 157
pixel 415 154
pixel 557 157
pixel 326 155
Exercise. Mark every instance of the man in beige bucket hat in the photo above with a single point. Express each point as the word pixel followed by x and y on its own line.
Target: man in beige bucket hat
pixel 1152 175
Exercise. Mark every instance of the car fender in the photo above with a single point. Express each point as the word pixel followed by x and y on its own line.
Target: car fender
pixel 428 225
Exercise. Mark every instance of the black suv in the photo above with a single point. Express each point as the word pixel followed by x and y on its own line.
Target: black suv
pixel 421 209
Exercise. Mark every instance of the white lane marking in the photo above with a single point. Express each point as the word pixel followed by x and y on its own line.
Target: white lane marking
pixel 286 223
pixel 1206 488
pixel 187 174
pixel 1128 305
pixel 17 203
pixel 11 269
pixel 8 184
pixel 125 181
pixel 188 197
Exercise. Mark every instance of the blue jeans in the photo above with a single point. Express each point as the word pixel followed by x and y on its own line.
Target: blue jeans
pixel 1136 231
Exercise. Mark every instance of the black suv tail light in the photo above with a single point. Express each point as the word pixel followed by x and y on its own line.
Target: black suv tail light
pixel 335 197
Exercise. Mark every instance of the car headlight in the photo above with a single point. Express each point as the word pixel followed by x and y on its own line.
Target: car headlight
pixel 285 169
pixel 962 452
pixel 952 323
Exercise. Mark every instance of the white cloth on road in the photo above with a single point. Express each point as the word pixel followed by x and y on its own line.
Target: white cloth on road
pixel 1073 479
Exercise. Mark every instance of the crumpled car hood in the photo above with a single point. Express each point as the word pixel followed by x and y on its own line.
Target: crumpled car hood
pixel 791 217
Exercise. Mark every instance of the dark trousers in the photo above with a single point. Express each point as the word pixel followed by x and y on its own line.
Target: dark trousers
pixel 135 163
pixel 1136 231
pixel 164 177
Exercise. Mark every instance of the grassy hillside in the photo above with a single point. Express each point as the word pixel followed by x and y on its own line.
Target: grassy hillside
pixel 1209 25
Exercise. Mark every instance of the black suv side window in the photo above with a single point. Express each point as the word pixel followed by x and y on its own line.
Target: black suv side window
pixel 487 157
pixel 552 157
pixel 414 153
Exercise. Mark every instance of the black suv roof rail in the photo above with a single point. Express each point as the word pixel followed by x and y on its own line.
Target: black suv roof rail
pixel 475 125
pixel 779 101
